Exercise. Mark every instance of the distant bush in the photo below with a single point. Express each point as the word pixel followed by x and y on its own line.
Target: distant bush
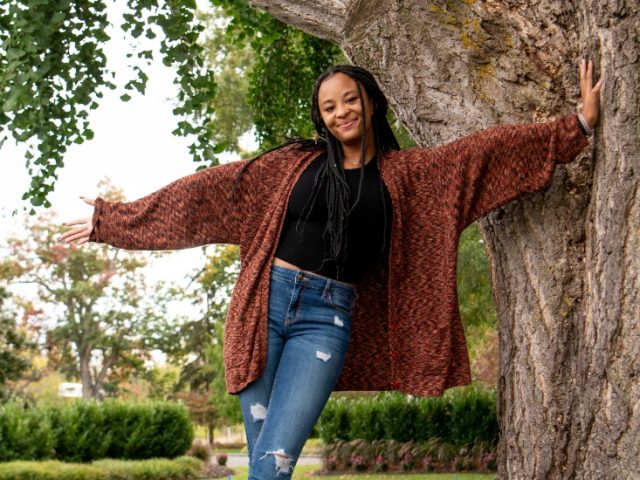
pixel 200 450
pixel 460 417
pixel 86 430
pixel 181 468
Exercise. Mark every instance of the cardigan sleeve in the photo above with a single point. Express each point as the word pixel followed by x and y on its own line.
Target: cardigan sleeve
pixel 495 166
pixel 194 210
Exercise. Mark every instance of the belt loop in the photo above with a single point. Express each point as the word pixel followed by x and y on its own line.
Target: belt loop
pixel 327 289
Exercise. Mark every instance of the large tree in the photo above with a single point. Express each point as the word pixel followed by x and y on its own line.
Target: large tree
pixel 565 261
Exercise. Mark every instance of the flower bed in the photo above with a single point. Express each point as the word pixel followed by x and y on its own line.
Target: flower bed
pixel 408 457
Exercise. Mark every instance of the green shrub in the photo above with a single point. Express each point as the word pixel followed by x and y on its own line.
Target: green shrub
pixel 399 415
pixel 334 423
pixel 472 416
pixel 25 433
pixel 87 430
pixel 460 417
pixel 202 451
pixel 365 419
pixel 181 468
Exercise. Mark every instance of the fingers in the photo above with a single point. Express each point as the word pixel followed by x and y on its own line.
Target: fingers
pixel 589 92
pixel 75 233
pixel 77 221
pixel 599 85
pixel 82 227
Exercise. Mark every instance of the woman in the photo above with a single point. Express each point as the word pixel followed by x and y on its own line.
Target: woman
pixel 321 224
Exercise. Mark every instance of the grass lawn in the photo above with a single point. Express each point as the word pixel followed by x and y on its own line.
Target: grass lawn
pixel 304 472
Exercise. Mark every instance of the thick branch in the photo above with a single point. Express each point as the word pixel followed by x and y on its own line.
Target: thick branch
pixel 325 19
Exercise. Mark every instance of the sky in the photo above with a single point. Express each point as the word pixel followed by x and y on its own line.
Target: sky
pixel 133 147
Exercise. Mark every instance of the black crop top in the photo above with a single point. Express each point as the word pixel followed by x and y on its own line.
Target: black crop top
pixel 364 229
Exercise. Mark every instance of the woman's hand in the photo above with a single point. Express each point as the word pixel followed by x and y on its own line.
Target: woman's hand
pixel 82 227
pixel 590 93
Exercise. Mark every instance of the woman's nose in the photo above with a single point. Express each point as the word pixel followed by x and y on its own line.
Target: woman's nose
pixel 340 111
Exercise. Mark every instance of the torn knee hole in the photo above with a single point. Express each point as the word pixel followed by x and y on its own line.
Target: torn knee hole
pixel 258 412
pixel 283 461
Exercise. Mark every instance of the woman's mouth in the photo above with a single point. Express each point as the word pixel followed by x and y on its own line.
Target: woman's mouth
pixel 347 125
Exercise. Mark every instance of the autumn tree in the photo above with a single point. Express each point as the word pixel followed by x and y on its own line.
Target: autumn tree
pixel 94 301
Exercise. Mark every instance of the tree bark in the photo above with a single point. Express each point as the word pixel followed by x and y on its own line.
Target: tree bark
pixel 565 262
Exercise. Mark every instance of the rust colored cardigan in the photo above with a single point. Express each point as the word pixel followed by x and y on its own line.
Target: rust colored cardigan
pixel 407 334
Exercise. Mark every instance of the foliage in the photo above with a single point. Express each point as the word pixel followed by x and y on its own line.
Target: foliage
pixel 286 63
pixel 13 346
pixel 97 298
pixel 84 431
pixel 53 71
pixel 475 299
pixel 474 288
pixel 265 71
pixel 461 417
pixel 201 450
pixel 181 468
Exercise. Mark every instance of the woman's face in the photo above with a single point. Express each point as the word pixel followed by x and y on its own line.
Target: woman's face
pixel 341 109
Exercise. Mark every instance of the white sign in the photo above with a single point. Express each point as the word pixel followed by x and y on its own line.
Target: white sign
pixel 70 390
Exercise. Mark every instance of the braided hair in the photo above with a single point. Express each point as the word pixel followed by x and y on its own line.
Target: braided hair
pixel 331 172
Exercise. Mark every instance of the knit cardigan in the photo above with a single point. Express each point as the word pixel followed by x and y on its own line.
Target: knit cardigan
pixel 406 329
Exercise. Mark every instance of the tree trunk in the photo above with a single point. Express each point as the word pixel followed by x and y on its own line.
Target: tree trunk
pixel 88 392
pixel 565 262
pixel 210 430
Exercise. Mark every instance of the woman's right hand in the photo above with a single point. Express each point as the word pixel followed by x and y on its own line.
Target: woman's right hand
pixel 82 227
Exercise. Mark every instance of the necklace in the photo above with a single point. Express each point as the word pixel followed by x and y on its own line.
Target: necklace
pixel 358 162
pixel 353 163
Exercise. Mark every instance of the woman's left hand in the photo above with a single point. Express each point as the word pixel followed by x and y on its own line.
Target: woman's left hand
pixel 590 93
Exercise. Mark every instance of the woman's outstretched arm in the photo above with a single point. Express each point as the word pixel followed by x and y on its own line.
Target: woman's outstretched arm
pixel 490 168
pixel 194 210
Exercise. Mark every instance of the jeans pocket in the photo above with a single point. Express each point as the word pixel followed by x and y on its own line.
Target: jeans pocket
pixel 340 301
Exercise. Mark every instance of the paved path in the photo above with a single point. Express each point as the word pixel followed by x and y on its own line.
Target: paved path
pixel 242 460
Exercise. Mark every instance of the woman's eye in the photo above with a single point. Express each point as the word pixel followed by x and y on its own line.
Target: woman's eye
pixel 352 99
pixel 328 109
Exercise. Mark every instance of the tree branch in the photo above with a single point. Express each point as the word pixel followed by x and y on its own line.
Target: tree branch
pixel 325 19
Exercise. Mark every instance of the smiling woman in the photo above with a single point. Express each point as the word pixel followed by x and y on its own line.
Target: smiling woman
pixel 336 259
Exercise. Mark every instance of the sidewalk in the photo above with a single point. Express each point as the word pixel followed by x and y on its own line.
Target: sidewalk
pixel 242 460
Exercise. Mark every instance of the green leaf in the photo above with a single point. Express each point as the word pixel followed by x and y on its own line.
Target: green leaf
pixel 15 53
pixel 58 17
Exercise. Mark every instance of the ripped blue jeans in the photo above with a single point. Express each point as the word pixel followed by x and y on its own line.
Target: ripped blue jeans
pixel 309 328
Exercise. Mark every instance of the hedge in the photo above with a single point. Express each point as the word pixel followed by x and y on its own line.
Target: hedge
pixel 182 468
pixel 84 431
pixel 460 417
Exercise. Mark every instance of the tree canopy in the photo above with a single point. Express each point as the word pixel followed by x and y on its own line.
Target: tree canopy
pixel 53 72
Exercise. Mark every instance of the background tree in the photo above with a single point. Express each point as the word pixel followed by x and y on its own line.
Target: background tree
pixel 13 347
pixel 194 343
pixel 564 262
pixel 95 298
